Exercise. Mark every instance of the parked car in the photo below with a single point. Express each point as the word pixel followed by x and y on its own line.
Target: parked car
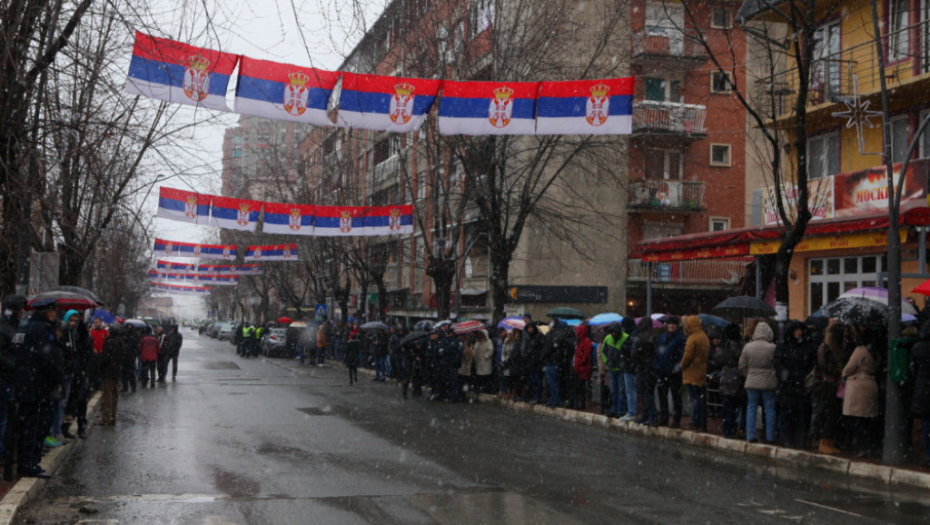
pixel 225 331
pixel 214 330
pixel 202 329
pixel 273 343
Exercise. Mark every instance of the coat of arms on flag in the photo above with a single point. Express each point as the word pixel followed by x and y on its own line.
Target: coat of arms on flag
pixel 226 252
pixel 242 218
pixel 296 94
pixel 394 219
pixel 401 110
pixel 500 110
pixel 286 252
pixel 597 107
pixel 197 78
pixel 345 221
pixel 258 253
pixel 294 219
pixel 190 207
pixel 196 250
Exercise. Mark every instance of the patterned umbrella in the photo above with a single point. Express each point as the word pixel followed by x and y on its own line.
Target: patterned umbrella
pixel 468 326
pixel 858 311
pixel 879 295
pixel 516 323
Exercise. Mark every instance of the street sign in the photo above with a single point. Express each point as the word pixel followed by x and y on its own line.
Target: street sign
pixel 320 310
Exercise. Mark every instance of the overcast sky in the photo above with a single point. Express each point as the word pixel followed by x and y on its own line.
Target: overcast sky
pixel 317 33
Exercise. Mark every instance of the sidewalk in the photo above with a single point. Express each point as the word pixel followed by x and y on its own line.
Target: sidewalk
pixel 905 475
pixel 27 489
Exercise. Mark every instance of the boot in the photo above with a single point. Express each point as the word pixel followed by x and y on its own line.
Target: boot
pixel 66 429
pixel 826 447
pixel 82 428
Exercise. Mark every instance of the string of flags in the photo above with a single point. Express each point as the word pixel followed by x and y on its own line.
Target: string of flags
pixel 209 269
pixel 288 219
pixel 177 72
pixel 177 289
pixel 216 279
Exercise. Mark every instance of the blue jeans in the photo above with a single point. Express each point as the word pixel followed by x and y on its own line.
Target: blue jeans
pixel 60 406
pixel 552 379
pixel 380 366
pixel 629 387
pixel 616 393
pixel 752 409
pixel 300 353
pixel 337 348
pixel 696 393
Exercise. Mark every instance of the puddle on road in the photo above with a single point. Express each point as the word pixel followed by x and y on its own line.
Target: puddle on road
pixel 210 365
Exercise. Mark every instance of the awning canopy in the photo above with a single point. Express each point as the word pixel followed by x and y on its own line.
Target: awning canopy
pixel 737 242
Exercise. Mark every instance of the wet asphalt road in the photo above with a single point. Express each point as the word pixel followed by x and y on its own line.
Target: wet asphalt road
pixel 265 442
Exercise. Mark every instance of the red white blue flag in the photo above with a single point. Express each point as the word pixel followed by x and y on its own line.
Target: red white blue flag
pixel 219 279
pixel 385 103
pixel 586 107
pixel 178 289
pixel 289 219
pixel 176 72
pixel 488 108
pixel 183 206
pixel 165 248
pixel 234 214
pixel 168 266
pixel 277 252
pixel 284 92
pixel 248 269
pixel 354 221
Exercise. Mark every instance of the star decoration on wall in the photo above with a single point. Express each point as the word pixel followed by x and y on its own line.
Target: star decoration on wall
pixel 858 114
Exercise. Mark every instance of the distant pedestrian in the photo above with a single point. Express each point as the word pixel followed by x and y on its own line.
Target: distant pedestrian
pixel 352 357
pixel 583 365
pixel 795 357
pixel 827 408
pixel 694 367
pixel 667 365
pixel 110 370
pixel 642 356
pixel 131 339
pixel 861 399
pixel 148 353
pixel 321 341
pixel 484 361
pixel 170 351
pixel 756 364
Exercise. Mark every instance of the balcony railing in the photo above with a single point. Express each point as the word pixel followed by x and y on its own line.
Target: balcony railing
pixel 696 272
pixel 652 116
pixel 670 195
pixel 667 43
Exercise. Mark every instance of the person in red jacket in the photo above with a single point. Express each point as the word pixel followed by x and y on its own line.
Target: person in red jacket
pixel 148 354
pixel 584 365
pixel 99 333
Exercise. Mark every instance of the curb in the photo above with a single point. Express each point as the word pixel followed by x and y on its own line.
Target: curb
pixel 28 489
pixel 780 456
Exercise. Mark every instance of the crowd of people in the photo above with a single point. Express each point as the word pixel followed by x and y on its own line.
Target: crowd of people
pixel 50 367
pixel 815 386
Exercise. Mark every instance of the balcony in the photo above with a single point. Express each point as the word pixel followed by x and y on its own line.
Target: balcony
pixel 659 48
pixel 669 119
pixel 701 272
pixel 667 196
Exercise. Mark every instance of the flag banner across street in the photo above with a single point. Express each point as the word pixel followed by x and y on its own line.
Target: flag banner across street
pixel 177 72
pixel 165 248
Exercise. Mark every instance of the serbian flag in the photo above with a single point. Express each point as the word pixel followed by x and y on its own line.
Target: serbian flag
pixel 385 103
pixel 356 221
pixel 213 269
pixel 169 70
pixel 234 214
pixel 488 108
pixel 248 269
pixel 220 279
pixel 277 252
pixel 586 107
pixel 168 266
pixel 183 206
pixel 284 92
pixel 190 249
pixel 290 219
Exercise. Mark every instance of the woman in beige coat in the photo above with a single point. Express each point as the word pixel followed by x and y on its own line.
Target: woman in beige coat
pixel 484 360
pixel 860 401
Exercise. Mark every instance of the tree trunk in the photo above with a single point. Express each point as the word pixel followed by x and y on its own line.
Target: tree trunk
pixel 500 275
pixel 442 272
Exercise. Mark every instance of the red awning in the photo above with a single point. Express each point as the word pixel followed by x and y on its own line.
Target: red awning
pixel 735 242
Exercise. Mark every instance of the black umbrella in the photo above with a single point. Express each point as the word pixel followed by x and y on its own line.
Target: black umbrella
pixel 743 306
pixel 374 325
pixel 414 336
pixel 857 311
pixel 76 289
pixel 423 326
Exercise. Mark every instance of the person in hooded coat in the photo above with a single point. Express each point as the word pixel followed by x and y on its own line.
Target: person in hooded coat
pixel 667 365
pixel 642 355
pixel 531 354
pixel 611 356
pixel 861 401
pixel 694 367
pixel 583 365
pixel 756 365
pixel 111 363
pixel 920 371
pixel 729 381
pixel 794 358
pixel 72 347
pixel 85 370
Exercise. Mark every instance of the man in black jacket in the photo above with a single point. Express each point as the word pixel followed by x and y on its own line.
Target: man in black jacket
pixel 13 307
pixel 170 349
pixel 38 385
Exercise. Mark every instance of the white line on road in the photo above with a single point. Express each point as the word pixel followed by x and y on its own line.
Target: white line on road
pixel 829 508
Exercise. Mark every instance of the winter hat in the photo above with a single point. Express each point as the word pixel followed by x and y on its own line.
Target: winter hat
pixel 628 324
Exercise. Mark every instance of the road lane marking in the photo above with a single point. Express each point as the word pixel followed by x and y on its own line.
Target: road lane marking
pixel 829 508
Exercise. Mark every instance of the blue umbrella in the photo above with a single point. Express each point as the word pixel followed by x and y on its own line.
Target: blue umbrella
pixel 512 317
pixel 602 319
pixel 573 322
pixel 104 316
pixel 713 320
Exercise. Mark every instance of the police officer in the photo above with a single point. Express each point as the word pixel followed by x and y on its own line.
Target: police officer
pixel 248 333
pixel 38 385
pixel 13 307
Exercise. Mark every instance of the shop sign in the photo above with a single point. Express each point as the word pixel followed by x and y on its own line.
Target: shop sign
pixel 828 242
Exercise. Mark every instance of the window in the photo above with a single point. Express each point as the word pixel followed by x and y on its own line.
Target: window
pixel 663 164
pixel 823 155
pixel 661 89
pixel 666 20
pixel 720 155
pixel 834 276
pixel 825 71
pixel 720 18
pixel 719 82
pixel 925 137
pixel 900 138
pixel 898 42
pixel 719 224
